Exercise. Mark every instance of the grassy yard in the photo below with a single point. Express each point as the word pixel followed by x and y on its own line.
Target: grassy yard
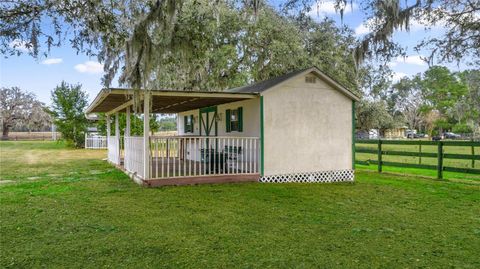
pixel 69 208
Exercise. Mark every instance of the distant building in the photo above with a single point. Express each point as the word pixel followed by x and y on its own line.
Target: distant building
pixel 396 133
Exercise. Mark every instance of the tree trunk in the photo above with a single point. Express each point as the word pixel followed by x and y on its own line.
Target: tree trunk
pixel 6 130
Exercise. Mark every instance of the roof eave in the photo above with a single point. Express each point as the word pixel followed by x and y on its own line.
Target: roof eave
pixel 99 98
pixel 104 93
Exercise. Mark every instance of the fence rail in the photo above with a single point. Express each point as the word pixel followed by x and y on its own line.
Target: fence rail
pixel 95 142
pixel 32 136
pixel 440 155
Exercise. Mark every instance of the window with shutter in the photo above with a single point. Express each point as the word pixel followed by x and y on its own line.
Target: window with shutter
pixel 191 124
pixel 185 126
pixel 227 120
pixel 240 119
pixel 188 124
pixel 234 119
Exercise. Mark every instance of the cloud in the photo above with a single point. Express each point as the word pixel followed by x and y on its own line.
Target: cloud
pixel 19 45
pixel 392 64
pixel 412 59
pixel 50 61
pixel 89 67
pixel 414 26
pixel 398 75
pixel 361 29
pixel 328 8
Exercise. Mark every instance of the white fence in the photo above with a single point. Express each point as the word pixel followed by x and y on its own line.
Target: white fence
pixel 113 149
pixel 95 142
pixel 133 151
pixel 200 156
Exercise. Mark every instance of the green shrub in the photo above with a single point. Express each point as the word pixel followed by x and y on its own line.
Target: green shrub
pixel 462 128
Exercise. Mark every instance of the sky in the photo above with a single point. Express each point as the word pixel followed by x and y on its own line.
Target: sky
pixel 41 75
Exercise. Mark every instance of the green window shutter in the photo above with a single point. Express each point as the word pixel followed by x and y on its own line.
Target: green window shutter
pixel 240 119
pixel 185 127
pixel 191 126
pixel 227 120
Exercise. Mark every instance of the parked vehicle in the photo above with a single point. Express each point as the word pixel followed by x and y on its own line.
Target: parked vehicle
pixel 414 134
pixel 411 133
pixel 361 135
pixel 437 138
pixel 450 135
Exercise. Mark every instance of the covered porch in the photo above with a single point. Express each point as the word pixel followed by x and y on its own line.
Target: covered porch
pixel 176 160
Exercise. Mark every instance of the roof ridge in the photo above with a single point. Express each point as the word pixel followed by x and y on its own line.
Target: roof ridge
pixel 267 83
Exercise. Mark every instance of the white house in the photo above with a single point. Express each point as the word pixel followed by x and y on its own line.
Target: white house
pixel 298 127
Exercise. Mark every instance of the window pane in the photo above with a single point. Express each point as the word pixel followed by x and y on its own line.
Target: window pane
pixel 234 120
pixel 234 115
pixel 234 126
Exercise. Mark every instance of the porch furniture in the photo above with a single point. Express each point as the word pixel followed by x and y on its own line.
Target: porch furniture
pixel 217 160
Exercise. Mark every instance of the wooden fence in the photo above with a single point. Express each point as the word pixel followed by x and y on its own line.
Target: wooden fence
pixel 376 147
pixel 95 142
pixel 33 136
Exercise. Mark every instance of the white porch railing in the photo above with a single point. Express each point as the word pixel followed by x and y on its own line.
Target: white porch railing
pixel 201 156
pixel 133 154
pixel 113 150
pixel 95 142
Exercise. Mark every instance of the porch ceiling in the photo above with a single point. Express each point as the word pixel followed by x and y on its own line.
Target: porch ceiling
pixel 117 100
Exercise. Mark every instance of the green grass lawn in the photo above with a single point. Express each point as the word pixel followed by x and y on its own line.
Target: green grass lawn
pixel 69 208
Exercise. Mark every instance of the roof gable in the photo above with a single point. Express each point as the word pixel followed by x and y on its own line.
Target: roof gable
pixel 270 83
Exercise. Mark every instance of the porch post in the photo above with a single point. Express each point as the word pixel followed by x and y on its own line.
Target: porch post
pixel 146 136
pixel 117 138
pixel 117 127
pixel 127 125
pixel 108 126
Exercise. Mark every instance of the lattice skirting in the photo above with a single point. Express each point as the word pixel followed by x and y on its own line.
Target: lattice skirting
pixel 311 177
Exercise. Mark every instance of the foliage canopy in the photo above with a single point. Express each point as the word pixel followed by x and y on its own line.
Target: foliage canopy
pixel 68 106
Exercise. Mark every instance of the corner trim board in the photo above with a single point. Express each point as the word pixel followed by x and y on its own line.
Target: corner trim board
pixel 262 139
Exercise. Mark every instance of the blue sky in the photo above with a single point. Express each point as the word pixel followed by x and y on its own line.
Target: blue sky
pixel 42 75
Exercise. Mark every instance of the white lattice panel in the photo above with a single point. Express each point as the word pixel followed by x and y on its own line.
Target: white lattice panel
pixel 311 177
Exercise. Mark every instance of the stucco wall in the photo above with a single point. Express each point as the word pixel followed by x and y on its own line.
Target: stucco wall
pixel 307 128
pixel 251 119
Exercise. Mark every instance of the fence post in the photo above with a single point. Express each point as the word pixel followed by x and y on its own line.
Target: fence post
pixel 420 153
pixel 379 155
pixel 473 155
pixel 440 160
